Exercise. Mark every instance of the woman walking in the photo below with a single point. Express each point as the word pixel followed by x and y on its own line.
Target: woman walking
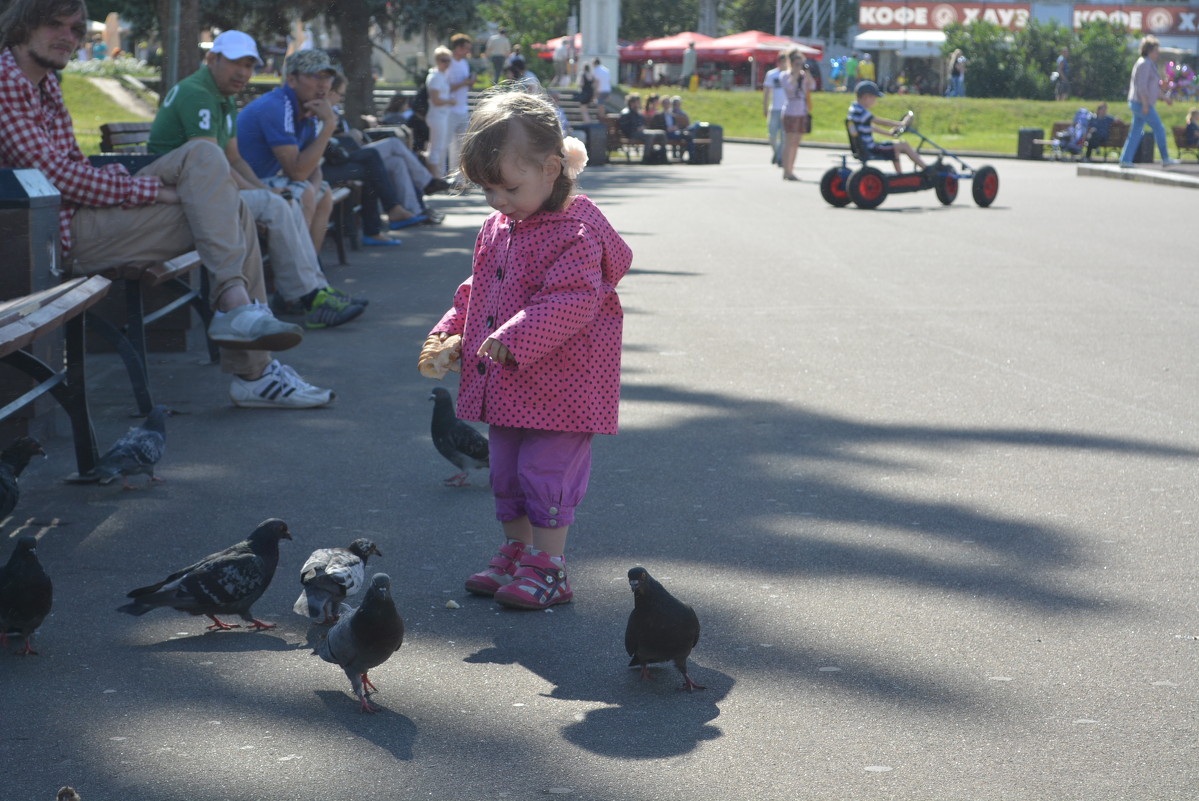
pixel 1144 90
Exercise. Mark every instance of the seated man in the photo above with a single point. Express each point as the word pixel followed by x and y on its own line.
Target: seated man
pixel 675 122
pixel 184 200
pixel 202 106
pixel 1099 129
pixel 411 179
pixel 866 124
pixel 283 135
pixel 632 126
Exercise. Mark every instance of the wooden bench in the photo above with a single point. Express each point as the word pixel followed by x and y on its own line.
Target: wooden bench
pixel 1180 142
pixel 618 143
pixel 27 319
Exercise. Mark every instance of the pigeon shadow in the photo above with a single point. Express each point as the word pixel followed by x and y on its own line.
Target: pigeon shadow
pixel 392 731
pixel 642 719
pixel 220 642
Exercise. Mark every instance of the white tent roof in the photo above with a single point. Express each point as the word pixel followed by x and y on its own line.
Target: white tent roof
pixel 919 44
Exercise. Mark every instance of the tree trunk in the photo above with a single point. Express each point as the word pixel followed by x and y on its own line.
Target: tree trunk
pixel 189 38
pixel 353 20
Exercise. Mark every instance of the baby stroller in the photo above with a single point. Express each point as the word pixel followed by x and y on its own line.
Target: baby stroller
pixel 1072 140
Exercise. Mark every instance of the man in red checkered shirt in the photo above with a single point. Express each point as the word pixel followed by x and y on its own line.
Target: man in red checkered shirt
pixel 184 200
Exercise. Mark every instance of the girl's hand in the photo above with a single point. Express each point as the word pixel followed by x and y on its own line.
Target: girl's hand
pixel 496 351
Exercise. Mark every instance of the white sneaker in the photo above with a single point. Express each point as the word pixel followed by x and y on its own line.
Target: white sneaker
pixel 253 327
pixel 280 387
pixel 1170 162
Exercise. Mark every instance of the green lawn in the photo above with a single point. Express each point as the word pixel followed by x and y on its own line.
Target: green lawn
pixel 90 108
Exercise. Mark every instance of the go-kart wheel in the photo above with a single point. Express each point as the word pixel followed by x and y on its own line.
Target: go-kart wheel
pixel 867 187
pixel 832 187
pixel 946 186
pixel 985 186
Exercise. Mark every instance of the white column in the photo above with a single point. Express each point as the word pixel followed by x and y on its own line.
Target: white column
pixel 599 22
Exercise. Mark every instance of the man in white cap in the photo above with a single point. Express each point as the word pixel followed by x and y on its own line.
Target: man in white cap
pixel 108 217
pixel 202 106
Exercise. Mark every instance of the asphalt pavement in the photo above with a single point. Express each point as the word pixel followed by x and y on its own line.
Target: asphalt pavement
pixel 928 475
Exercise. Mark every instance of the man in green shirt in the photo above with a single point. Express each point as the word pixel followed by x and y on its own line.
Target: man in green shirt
pixel 203 106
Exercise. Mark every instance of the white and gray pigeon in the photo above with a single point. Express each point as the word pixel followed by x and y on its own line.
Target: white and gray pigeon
pixel 224 583
pixel 330 576
pixel 661 628
pixel 13 462
pixel 458 442
pixel 138 451
pixel 365 639
pixel 26 594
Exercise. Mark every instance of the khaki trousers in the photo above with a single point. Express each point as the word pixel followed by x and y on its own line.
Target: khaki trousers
pixel 210 217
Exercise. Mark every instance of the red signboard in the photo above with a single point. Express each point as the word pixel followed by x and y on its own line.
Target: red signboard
pixel 877 15
pixel 1160 20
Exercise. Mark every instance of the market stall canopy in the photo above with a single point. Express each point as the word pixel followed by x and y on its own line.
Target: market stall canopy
pixel 546 49
pixel 762 46
pixel 907 43
pixel 667 48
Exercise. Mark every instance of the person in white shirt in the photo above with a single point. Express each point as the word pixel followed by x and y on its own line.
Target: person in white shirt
pixel 603 87
pixel 461 78
pixel 497 49
pixel 438 116
pixel 774 100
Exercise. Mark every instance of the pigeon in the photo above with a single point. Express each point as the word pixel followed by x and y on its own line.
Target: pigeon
pixel 465 447
pixel 365 639
pixel 26 594
pixel 331 575
pixel 13 461
pixel 137 451
pixel 661 627
pixel 224 583
pixel 68 794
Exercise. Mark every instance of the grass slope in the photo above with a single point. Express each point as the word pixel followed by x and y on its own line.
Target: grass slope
pixel 90 108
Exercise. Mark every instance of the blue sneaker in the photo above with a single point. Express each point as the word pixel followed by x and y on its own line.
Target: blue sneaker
pixel 381 241
pixel 415 219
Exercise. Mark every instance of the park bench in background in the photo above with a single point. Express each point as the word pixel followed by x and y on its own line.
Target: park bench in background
pixel 30 318
pixel 1180 142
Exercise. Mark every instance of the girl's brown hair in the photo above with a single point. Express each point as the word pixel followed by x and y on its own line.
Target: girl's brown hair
pixel 492 125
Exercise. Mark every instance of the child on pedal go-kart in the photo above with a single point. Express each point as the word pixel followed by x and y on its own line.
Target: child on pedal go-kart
pixel 866 124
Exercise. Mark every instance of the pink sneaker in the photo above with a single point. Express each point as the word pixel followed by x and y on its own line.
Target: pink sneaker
pixel 499 570
pixel 538 583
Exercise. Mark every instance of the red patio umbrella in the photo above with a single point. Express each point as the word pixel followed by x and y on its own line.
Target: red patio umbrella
pixel 667 48
pixel 762 46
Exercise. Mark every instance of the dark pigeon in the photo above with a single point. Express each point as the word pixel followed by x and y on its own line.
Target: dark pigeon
pixel 330 576
pixel 461 444
pixel 225 583
pixel 365 639
pixel 13 462
pixel 26 594
pixel 68 794
pixel 137 451
pixel 661 627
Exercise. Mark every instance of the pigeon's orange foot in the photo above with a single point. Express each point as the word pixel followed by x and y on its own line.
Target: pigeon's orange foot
pixel 458 480
pixel 366 683
pixel 367 706
pixel 27 650
pixel 645 674
pixel 258 625
pixel 689 685
pixel 221 626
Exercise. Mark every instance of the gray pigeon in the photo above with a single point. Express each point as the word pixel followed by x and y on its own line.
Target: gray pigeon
pixel 661 627
pixel 68 794
pixel 13 462
pixel 330 576
pixel 224 583
pixel 465 447
pixel 26 594
pixel 137 451
pixel 365 639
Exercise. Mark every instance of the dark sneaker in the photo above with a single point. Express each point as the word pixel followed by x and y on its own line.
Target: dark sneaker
pixel 345 296
pixel 328 311
pixel 436 186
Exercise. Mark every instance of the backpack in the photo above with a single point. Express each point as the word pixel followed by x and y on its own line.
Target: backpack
pixel 420 101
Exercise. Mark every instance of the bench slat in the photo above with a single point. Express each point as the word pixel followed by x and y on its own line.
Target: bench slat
pixel 29 318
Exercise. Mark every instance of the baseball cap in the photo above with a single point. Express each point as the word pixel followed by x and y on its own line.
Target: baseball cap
pixel 235 44
pixel 307 62
pixel 868 88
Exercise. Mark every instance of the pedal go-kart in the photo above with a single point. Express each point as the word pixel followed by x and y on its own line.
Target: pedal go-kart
pixel 867 187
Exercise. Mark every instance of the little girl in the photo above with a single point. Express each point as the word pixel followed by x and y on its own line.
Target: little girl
pixel 541 336
pixel 1191 134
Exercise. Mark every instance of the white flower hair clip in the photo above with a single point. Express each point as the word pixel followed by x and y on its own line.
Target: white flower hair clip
pixel 574 157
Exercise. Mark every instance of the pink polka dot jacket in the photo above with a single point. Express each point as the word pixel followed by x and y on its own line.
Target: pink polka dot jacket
pixel 546 288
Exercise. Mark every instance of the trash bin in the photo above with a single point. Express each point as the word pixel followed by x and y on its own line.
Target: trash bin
pixel 1144 154
pixel 1026 148
pixel 726 79
pixel 29 230
pixel 595 136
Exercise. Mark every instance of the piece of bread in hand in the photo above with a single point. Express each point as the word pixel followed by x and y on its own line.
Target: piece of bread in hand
pixel 439 357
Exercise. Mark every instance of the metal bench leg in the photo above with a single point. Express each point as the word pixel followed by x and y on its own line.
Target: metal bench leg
pixel 135 364
pixel 73 397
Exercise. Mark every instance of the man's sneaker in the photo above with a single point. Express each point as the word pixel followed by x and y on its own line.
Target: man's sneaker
pixel 328 311
pixel 538 583
pixel 280 387
pixel 499 570
pixel 437 186
pixel 342 295
pixel 253 327
pixel 1170 162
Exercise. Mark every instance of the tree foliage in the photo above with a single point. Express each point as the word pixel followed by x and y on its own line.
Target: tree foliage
pixel 1003 63
pixel 644 19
